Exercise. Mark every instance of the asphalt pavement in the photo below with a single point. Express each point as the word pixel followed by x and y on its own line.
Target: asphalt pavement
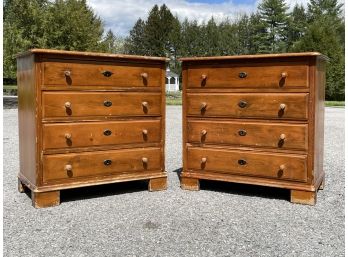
pixel 222 219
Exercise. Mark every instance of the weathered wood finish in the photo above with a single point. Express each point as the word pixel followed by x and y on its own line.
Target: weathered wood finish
pixel 257 75
pixel 245 133
pixel 84 104
pixel 263 127
pixel 84 134
pixel 79 74
pixel 79 127
pixel 257 105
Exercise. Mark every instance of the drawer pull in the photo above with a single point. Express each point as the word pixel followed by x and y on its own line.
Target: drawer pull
pixel 68 167
pixel 242 162
pixel 282 107
pixel 67 136
pixel 203 160
pixel 144 75
pixel 204 77
pixel 203 132
pixel 282 167
pixel 284 75
pixel 145 132
pixel 282 137
pixel 107 162
pixel 242 74
pixel 67 105
pixel 242 132
pixel 107 103
pixel 203 106
pixel 242 103
pixel 67 73
pixel 144 160
pixel 107 73
pixel 145 104
pixel 107 132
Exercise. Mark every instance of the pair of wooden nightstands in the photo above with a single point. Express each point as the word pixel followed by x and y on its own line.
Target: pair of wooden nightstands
pixel 88 119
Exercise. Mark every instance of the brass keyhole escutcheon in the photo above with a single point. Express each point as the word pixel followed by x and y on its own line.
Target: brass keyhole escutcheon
pixel 107 73
pixel 242 132
pixel 107 132
pixel 242 162
pixel 107 103
pixel 243 74
pixel 242 103
pixel 107 162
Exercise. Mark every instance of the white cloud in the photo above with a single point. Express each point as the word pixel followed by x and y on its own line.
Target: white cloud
pixel 120 15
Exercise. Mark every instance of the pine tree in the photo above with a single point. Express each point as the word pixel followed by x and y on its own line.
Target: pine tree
pixel 273 14
pixel 135 42
pixel 112 44
pixel 298 22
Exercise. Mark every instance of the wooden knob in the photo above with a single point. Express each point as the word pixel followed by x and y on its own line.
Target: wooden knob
pixel 67 73
pixel 282 136
pixel 203 132
pixel 145 131
pixel 144 75
pixel 144 159
pixel 145 104
pixel 284 75
pixel 282 106
pixel 204 76
pixel 203 106
pixel 203 160
pixel 67 105
pixel 282 167
pixel 68 167
pixel 67 135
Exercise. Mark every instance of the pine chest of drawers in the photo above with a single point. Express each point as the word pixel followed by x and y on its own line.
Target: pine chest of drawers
pixel 88 119
pixel 255 120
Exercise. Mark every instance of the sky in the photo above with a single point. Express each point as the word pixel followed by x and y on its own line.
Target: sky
pixel 121 15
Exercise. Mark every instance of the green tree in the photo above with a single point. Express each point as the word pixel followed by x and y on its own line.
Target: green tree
pixel 324 35
pixel 72 25
pixel 298 22
pixel 135 41
pixel 112 44
pixel 273 14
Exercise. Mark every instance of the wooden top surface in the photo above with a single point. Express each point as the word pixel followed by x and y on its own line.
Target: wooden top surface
pixel 91 54
pixel 256 56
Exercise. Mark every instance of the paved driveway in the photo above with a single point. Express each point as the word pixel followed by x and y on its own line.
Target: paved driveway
pixel 223 219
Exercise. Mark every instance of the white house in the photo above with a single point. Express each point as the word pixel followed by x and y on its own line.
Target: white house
pixel 172 81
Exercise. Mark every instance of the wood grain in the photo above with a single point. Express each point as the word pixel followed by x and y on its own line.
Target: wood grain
pixel 92 104
pixel 257 75
pixel 255 134
pixel 93 163
pixel 258 105
pixel 256 164
pixel 87 134
pixel 91 74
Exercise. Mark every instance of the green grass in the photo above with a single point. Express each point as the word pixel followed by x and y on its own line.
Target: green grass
pixel 10 87
pixel 340 104
pixel 173 98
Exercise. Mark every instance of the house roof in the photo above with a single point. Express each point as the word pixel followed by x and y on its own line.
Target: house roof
pixel 171 74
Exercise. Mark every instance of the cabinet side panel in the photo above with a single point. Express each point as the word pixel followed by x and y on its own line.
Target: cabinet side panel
pixel 319 119
pixel 27 117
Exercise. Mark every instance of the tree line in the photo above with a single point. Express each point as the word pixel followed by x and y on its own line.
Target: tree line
pixel 272 28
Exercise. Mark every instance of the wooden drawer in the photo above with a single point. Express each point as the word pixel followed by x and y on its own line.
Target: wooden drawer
pixel 100 163
pixel 248 105
pixel 255 134
pixel 82 104
pixel 261 164
pixel 84 134
pixel 259 75
pixel 105 74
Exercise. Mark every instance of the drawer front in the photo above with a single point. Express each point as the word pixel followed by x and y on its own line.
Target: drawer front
pixel 119 75
pixel 60 135
pixel 248 105
pixel 100 163
pixel 77 104
pixel 270 165
pixel 276 75
pixel 256 134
